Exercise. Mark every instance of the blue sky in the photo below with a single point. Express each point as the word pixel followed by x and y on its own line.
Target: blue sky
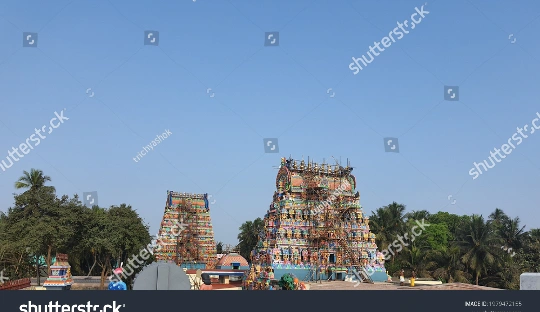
pixel 216 145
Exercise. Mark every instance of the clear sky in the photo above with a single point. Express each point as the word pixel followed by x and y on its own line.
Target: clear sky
pixel 119 94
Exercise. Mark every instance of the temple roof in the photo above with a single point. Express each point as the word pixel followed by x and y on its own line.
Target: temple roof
pixel 227 260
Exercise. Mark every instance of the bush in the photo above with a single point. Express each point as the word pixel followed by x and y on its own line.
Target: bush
pixel 287 282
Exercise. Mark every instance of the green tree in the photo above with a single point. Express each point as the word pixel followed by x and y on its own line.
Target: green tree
pixel 512 233
pixel 434 237
pixel 112 237
pixel 529 256
pixel 417 215
pixel 534 234
pixel 219 247
pixel 387 223
pixel 38 222
pixel 98 231
pixel 450 268
pixel 13 258
pixel 480 244
pixel 249 236
pixel 453 222
pixel 417 250
pixel 73 218
pixel 32 180
pixel 129 236
pixel 418 259
pixel 498 217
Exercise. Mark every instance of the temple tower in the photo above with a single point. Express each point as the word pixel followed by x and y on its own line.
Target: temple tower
pixel 186 236
pixel 316 223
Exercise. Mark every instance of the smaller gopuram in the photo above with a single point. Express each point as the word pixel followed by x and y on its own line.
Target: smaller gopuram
pixel 315 227
pixel 186 236
pixel 60 278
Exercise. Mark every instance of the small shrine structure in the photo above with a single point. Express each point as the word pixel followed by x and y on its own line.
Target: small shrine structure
pixel 186 236
pixel 315 227
pixel 60 278
pixel 233 261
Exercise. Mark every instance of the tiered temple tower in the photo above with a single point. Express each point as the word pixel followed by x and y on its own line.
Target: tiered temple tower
pixel 186 236
pixel 316 224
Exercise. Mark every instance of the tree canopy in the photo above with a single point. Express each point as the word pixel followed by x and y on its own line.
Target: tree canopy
pixel 249 236
pixel 469 249
pixel 40 224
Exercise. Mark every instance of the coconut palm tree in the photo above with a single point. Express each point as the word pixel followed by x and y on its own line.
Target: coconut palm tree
pixel 451 269
pixel 396 216
pixel 418 259
pixel 535 234
pixel 479 244
pixel 379 225
pixel 387 222
pixel 512 233
pixel 417 215
pixel 498 217
pixel 531 251
pixel 32 180
pixel 249 236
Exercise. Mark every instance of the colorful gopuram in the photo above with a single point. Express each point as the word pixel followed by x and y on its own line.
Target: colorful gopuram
pixel 186 236
pixel 315 225
pixel 60 278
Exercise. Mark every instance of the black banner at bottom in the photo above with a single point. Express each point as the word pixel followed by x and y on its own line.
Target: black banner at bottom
pixel 302 301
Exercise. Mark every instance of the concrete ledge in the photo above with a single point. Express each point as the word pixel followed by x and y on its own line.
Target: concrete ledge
pixel 529 281
pixel 427 282
pixel 34 288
